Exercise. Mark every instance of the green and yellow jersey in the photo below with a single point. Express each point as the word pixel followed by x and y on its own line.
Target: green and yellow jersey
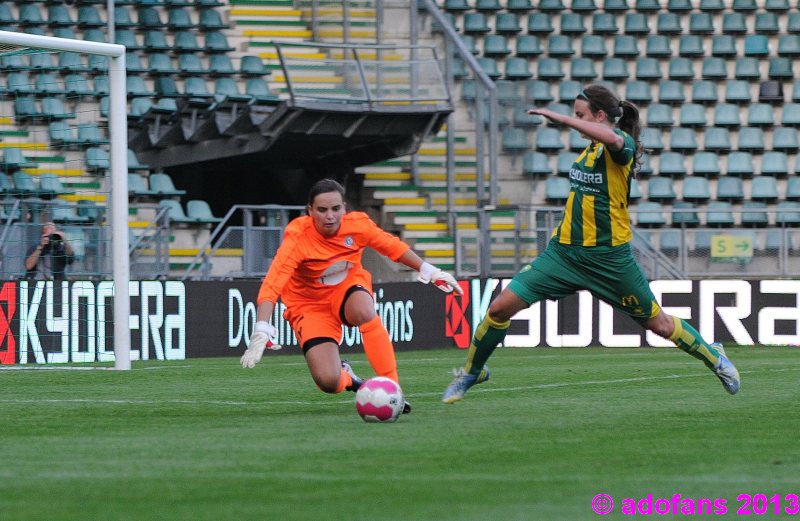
pixel 597 207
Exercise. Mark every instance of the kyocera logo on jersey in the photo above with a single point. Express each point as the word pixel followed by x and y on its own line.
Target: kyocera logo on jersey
pixel 8 307
pixel 456 324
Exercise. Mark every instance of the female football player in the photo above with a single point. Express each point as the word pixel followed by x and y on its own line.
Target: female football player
pixel 318 275
pixel 590 249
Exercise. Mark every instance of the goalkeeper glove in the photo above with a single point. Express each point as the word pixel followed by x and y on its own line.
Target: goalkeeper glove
pixel 442 280
pixel 263 332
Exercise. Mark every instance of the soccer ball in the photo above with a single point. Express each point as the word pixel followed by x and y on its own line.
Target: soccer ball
pixel 379 400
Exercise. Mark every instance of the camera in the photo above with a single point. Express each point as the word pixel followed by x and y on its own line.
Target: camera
pixel 55 238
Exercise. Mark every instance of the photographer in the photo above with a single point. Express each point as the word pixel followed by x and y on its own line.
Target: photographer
pixel 52 254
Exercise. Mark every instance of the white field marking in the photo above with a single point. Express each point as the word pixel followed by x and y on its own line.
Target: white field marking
pixel 350 401
pixel 82 368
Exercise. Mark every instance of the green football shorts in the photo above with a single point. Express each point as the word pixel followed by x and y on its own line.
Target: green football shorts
pixel 609 273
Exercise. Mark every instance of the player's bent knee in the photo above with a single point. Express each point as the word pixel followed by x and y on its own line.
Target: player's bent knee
pixel 327 384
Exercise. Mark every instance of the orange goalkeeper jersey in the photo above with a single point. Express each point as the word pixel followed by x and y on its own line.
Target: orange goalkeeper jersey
pixel 307 265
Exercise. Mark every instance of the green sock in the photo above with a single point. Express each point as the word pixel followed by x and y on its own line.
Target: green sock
pixel 486 338
pixel 688 339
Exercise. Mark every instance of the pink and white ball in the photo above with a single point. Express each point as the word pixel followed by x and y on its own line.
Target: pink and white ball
pixel 379 400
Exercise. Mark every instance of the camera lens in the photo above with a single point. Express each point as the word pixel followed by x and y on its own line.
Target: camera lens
pixel 55 238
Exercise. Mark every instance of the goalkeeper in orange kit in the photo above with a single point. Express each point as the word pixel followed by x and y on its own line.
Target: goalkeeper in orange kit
pixel 318 275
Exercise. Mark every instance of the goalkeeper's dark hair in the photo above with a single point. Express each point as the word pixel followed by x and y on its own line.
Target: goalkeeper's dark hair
pixel 324 186
pixel 624 114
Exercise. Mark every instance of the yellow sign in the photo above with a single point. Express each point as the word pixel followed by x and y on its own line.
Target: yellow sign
pixel 731 248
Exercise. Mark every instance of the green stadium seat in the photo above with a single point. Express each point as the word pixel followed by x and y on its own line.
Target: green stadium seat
pixel 701 23
pixel 59 16
pixel 48 84
pixel 785 139
pixel 488 5
pixel 133 163
pixel 515 140
pixel 626 46
pixel 670 92
pixel 185 42
pixel 733 23
pixel 556 190
pixel 760 115
pixel 90 35
pixel 506 92
pixel 522 119
pixel 764 189
pixel 25 185
pixel 751 139
pixel 137 87
pixel 156 41
pixel 451 20
pixel 127 38
pixel 669 23
pixel 160 63
pixel 150 19
pixel 528 45
pixel 756 45
pixel 754 214
pixel 89 134
pixel 560 45
pixel 475 23
pixel 775 164
pixel 726 115
pixel 133 63
pixel 583 6
pixel 97 160
pixel 548 139
pixel 196 87
pixel 615 69
pixel 200 211
pixel 536 164
pixel 576 141
pixel 51 185
pixel 720 214
pixel 495 45
pixel 30 15
pixel 538 92
pixel 791 115
pixel 469 90
pixel 6 188
pixel 647 6
pixel 517 68
pixel 787 214
pixel 660 190
pixel 615 6
pixel 651 139
pixel 211 20
pixel 723 45
pixel 744 5
pixel 714 68
pixel 737 91
pixel 162 184
pixel 178 19
pixel 175 211
pixel 519 5
pixel 648 69
pixel 793 188
pixel 190 65
pixel 6 16
pixel 166 87
pixel 122 17
pixel 776 5
pixel 780 69
pixel 659 115
pixel 549 69
pixel 25 109
pixel 457 5
pixel 705 164
pixel 220 65
pixel 730 189
pixel 469 42
pixel 593 45
pixel 767 23
pixel 227 90
pixel 658 46
pixel 672 164
pixel 507 23
pixel 604 23
pixel 740 164
pixel 582 69
pixel 564 162
pixel 489 66
pixel 539 23
pixel 704 92
pixel 572 23
pixel 692 115
pixel 691 46
pixel 638 92
pixel 551 5
pixel 696 190
pixel 53 108
pixel 679 6
pixel 14 159
pixel 717 139
pixel 650 214
pixel 258 89
pixel 681 69
pixel 636 23
pixel 42 62
pixel 789 45
pixel 683 139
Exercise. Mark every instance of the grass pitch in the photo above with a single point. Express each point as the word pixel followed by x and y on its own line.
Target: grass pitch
pixel 207 440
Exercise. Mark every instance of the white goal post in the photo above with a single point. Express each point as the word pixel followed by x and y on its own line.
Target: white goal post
pixel 117 115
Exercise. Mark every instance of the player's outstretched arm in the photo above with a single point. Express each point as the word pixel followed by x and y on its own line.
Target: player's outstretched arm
pixel 260 340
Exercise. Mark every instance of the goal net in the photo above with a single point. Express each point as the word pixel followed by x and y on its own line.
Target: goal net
pixel 64 262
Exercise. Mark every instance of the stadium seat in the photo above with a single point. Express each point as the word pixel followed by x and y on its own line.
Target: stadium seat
pixel 638 92
pixel 626 46
pixel 793 188
pixel 754 214
pixel 220 65
pixel 551 5
pixel 789 45
pixel 766 23
pixel 720 214
pixel 134 164
pixel 683 140
pixel 150 19
pixel 576 141
pixel 53 108
pixel 166 87
pixel 651 140
pixel 670 92
pixel 730 189
pixel 97 160
pixel 48 84
pixel 548 139
pixel 50 185
pixel 680 69
pixel 178 19
pixel 456 5
pixel 787 214
pixel 25 109
pixel 660 189
pixel 775 164
pixel 89 134
pixel 517 68
pixel 669 23
pixel 258 89
pixel 701 23
pixel 615 6
pixel 756 45
pixel 175 211
pixel 685 215
pixel 671 164
pixel 572 23
pixel 659 115
pixel 539 23
pixel 740 164
pixel 737 91
pixel 495 45
pixel 519 5
pixel 733 23
pixel 636 23
pixel 160 63
pixel 692 115
pixel 760 115
pixel 645 168
pixel 635 194
pixel 714 68
pixel 227 90
pixel 747 69
pixel 26 186
pixel 14 159
pixel 549 69
pixel 489 67
pixel 648 69
pixel 515 140
pixel 190 65
pixel 723 46
pixel 67 214
pixel 211 20
pixel 564 162
pixel 536 164
pixel 556 190
pixel 764 189
pixel 604 23
pixel 615 69
pixel 726 115
pixel 137 87
pixel 30 15
pixel 583 6
pixel 6 16
pixel 162 185
pixel 538 92
pixel 784 139
pixel 90 35
pixel 127 38
pixel 780 69
pixel 528 45
pixel 751 139
pixel 650 214
pixel 658 46
pixel 582 69
pixel 475 23
pixel 568 90
pixel 200 211
pixel 691 46
pixel 776 5
pixel 696 190
pixel 61 134
pixel 560 45
pixel 487 5
pixel 122 17
pixel 593 46
pixel 522 119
